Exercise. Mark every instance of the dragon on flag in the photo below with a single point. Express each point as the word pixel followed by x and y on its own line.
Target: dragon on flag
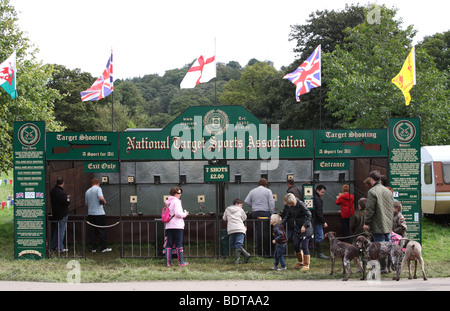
pixel 8 75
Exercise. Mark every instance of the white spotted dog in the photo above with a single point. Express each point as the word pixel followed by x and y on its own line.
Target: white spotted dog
pixel 380 251
pixel 342 250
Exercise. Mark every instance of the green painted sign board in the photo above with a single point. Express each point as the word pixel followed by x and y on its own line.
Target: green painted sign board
pixel 29 190
pixel 101 167
pixel 368 143
pixel 215 173
pixel 85 146
pixel 207 133
pixel 332 164
pixel 404 168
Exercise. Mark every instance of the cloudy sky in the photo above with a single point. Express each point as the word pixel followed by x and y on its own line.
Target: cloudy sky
pixel 155 36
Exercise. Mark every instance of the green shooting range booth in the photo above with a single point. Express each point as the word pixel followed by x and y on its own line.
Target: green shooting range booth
pixel 216 154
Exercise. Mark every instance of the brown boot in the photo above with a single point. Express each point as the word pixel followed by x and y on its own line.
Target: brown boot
pixel 300 260
pixel 305 263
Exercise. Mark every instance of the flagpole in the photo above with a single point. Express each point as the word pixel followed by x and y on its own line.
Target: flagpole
pixel 320 109
pixel 15 85
pixel 215 81
pixel 215 92
pixel 320 95
pixel 112 87
pixel 15 101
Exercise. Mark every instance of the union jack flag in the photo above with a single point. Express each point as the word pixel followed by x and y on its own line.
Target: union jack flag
pixel 19 195
pixel 104 85
pixel 308 75
pixel 39 195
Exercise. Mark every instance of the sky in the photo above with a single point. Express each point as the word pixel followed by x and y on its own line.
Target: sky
pixel 151 36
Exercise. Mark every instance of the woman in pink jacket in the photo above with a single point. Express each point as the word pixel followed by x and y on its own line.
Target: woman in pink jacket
pixel 175 227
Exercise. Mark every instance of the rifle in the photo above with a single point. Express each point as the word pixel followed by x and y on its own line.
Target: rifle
pixel 373 147
pixel 59 150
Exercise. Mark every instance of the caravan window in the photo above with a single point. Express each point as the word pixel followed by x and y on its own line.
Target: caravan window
pixel 446 170
pixel 427 174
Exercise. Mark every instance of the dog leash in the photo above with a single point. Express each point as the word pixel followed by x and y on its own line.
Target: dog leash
pixel 350 236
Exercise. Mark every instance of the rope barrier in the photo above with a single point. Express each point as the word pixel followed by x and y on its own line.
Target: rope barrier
pixel 103 227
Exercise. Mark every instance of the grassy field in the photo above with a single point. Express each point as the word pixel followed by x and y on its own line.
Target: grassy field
pixel 111 268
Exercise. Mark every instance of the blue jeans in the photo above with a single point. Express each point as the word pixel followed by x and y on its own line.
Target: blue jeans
pixel 318 233
pixel 280 251
pixel 174 237
pixel 237 240
pixel 381 237
pixel 58 234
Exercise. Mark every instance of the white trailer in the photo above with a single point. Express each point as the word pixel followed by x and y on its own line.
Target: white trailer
pixel 435 179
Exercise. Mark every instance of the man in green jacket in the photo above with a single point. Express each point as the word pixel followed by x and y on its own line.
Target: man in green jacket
pixel 379 209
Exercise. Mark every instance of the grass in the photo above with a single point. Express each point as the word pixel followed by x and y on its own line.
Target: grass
pixel 109 267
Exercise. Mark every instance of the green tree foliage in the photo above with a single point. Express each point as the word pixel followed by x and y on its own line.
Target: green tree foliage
pixel 35 100
pixel 438 46
pixel 69 110
pixel 325 28
pixel 359 75
pixel 249 89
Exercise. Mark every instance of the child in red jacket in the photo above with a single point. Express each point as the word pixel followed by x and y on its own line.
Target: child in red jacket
pixel 345 200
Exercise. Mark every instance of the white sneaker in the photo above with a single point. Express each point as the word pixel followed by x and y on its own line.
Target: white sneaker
pixel 107 250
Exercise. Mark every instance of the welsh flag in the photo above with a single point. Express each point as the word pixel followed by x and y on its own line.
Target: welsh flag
pixel 8 75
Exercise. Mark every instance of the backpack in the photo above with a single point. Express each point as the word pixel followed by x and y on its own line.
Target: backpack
pixel 165 214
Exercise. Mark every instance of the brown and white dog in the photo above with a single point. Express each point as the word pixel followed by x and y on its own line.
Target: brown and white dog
pixel 342 250
pixel 380 251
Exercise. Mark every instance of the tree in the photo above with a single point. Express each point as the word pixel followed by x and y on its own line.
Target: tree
pixel 325 28
pixel 35 100
pixel 131 97
pixel 122 121
pixel 438 46
pixel 249 90
pixel 359 74
pixel 75 115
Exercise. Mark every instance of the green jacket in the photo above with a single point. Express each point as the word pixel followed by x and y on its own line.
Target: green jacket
pixel 379 209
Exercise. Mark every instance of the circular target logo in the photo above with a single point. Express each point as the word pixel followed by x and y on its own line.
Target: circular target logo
pixel 404 132
pixel 216 122
pixel 29 135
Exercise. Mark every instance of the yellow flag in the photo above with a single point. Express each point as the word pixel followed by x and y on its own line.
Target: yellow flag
pixel 406 79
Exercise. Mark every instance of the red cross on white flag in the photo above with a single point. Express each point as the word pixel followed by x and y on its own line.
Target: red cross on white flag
pixel 202 71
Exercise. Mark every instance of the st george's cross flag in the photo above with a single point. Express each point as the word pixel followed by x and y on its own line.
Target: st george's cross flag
pixel 406 79
pixel 308 75
pixel 104 85
pixel 8 75
pixel 203 70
